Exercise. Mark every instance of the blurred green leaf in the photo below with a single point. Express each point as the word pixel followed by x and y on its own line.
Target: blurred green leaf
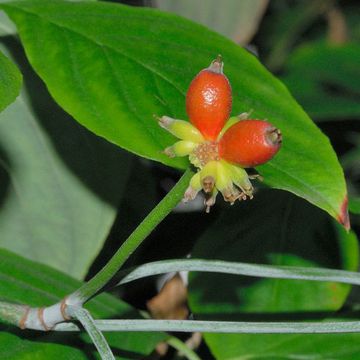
pixel 275 228
pixel 10 82
pixel 285 27
pixel 354 205
pixel 350 160
pixel 60 184
pixel 285 347
pixel 237 20
pixel 324 79
pixel 6 26
pixel 112 67
pixel 25 281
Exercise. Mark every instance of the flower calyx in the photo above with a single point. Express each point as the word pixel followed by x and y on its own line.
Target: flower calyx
pixel 218 145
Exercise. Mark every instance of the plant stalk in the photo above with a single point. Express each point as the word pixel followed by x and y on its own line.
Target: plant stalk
pixel 95 334
pixel 166 205
pixel 222 327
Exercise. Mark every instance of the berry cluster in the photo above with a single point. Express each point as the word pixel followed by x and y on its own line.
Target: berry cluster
pixel 220 146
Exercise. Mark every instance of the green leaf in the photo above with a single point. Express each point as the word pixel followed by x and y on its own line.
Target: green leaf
pixel 354 205
pixel 25 281
pixel 286 347
pixel 116 66
pixel 280 229
pixel 60 184
pixel 285 29
pixel 238 268
pixel 326 94
pixel 10 82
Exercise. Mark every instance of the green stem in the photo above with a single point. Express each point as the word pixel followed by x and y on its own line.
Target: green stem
pixel 221 327
pixel 182 349
pixel 95 334
pixel 89 289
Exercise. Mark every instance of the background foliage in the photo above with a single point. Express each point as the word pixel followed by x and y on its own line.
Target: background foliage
pixel 69 198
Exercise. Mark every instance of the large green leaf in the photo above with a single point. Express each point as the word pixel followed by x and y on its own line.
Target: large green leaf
pixel 27 282
pixel 60 184
pixel 112 67
pixel 10 82
pixel 275 228
pixel 324 92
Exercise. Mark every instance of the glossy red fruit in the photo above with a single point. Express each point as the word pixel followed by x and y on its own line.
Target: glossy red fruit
pixel 208 100
pixel 249 143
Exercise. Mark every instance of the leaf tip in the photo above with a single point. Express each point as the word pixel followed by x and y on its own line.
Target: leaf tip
pixel 343 216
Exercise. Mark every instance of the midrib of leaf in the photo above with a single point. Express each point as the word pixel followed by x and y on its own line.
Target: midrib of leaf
pixel 7 259
pixel 99 44
pixel 161 98
pixel 24 285
pixel 39 276
pixel 125 97
pixel 46 279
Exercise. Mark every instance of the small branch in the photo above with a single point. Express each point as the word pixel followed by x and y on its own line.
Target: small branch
pixel 166 205
pixel 337 27
pixel 333 327
pixel 182 348
pixel 95 334
pixel 25 317
pixel 13 314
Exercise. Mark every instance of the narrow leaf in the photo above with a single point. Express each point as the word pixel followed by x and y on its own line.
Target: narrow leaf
pixel 94 332
pixel 238 268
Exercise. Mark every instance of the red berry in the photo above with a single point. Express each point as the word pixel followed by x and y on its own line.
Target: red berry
pixel 250 143
pixel 208 100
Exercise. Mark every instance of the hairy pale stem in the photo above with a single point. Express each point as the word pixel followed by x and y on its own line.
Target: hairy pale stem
pixel 223 327
pixel 94 332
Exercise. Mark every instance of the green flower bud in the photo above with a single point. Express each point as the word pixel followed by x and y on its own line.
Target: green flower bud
pixel 180 148
pixel 181 129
